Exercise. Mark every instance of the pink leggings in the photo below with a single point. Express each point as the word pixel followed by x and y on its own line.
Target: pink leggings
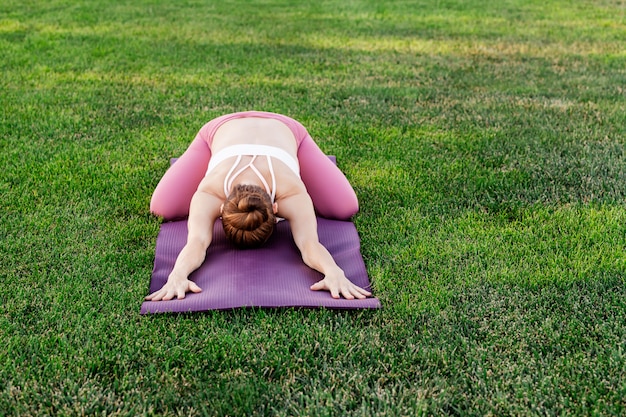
pixel 332 194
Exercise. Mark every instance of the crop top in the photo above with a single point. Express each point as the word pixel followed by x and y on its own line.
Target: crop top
pixel 253 150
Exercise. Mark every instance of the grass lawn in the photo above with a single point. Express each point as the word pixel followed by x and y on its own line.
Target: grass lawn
pixel 485 140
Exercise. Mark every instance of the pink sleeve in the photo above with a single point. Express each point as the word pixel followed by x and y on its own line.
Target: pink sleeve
pixel 332 194
pixel 172 196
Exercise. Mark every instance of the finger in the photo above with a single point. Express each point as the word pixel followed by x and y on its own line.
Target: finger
pixel 334 292
pixel 355 291
pixel 357 294
pixel 155 296
pixel 320 285
pixel 347 293
pixel 194 287
pixel 180 294
pixel 360 293
pixel 170 295
pixel 364 291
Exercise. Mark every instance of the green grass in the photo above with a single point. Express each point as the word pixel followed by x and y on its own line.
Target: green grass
pixel 485 142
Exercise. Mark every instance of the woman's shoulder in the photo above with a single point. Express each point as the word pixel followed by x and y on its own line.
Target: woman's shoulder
pixel 289 185
pixel 212 183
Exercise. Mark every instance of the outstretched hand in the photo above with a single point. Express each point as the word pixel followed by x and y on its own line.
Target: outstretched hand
pixel 174 288
pixel 339 285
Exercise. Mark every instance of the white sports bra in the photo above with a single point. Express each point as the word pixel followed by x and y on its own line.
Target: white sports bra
pixel 253 150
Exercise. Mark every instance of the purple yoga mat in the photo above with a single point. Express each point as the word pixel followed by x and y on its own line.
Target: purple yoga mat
pixel 271 276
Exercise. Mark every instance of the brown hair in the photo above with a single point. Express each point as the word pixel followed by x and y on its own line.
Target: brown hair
pixel 248 216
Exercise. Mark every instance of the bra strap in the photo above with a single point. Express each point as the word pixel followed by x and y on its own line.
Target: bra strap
pixel 228 180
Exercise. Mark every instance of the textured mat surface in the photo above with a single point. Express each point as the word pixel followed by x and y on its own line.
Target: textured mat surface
pixel 272 276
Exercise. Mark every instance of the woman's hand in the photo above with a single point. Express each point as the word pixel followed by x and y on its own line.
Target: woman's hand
pixel 338 284
pixel 175 287
pixel 299 211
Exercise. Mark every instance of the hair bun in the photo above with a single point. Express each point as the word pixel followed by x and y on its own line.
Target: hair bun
pixel 248 217
pixel 250 203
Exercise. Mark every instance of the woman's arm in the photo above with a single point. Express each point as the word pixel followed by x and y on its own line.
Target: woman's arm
pixel 203 211
pixel 298 209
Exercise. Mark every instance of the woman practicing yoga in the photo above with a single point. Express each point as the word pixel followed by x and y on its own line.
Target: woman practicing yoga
pixel 251 168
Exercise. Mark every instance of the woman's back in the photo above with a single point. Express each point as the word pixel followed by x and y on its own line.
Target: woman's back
pixel 255 130
pixel 332 195
pixel 247 136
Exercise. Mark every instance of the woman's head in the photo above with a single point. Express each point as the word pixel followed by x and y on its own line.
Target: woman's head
pixel 248 216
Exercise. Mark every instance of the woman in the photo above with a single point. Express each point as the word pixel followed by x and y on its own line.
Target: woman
pixel 249 168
